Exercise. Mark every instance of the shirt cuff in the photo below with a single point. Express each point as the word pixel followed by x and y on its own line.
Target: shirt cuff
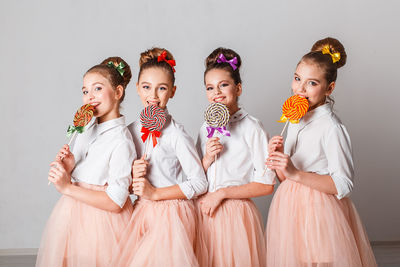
pixel 189 190
pixel 268 178
pixel 344 186
pixel 118 194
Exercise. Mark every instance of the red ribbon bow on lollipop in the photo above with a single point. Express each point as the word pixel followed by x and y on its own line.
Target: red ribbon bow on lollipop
pixel 154 135
pixel 163 57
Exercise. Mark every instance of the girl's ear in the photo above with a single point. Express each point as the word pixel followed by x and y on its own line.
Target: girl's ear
pixel 173 92
pixel 238 89
pixel 119 91
pixel 330 88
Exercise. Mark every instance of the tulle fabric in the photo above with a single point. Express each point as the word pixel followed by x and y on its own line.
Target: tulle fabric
pixel 160 233
pixel 78 234
pixel 233 236
pixel 309 228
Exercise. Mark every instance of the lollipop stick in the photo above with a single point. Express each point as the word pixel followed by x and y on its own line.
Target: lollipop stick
pixel 215 169
pixel 146 147
pixel 284 128
pixel 265 170
pixel 72 137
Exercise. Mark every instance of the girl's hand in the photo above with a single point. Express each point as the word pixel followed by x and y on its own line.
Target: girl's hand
pixel 282 162
pixel 139 167
pixel 143 188
pixel 210 202
pixel 59 176
pixel 67 158
pixel 213 147
pixel 275 144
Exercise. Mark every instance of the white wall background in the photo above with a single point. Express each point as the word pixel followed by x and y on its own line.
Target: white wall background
pixel 46 47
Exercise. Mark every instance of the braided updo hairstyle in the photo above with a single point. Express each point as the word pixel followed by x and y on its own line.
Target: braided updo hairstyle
pixel 324 61
pixel 149 59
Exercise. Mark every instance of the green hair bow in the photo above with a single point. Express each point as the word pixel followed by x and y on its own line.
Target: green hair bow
pixel 120 67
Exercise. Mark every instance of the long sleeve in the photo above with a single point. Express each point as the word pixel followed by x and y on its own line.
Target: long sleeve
pixel 258 147
pixel 120 167
pixel 196 183
pixel 340 162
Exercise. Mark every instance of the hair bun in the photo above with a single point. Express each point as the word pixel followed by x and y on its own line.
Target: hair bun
pixel 127 69
pixel 229 54
pixel 153 54
pixel 335 46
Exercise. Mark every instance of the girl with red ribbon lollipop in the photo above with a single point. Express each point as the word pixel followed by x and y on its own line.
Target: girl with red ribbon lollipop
pixel 230 222
pixel 93 177
pixel 312 221
pixel 162 231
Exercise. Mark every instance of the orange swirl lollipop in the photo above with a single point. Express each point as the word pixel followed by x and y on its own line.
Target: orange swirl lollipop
pixel 82 117
pixel 294 108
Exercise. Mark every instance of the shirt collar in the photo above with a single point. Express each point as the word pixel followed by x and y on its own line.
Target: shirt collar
pixel 107 125
pixel 238 115
pixel 316 113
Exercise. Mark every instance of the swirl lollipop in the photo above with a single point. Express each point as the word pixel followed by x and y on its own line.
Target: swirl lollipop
pixel 217 117
pixel 82 117
pixel 153 119
pixel 294 108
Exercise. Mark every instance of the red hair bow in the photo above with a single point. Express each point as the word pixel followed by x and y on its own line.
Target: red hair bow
pixel 163 57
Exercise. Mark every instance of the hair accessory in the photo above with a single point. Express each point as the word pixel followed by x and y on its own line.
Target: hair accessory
pixel 163 57
pixel 232 62
pixel 119 67
pixel 335 56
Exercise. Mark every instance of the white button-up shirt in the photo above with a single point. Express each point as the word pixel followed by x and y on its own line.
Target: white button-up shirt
pixel 319 143
pixel 103 155
pixel 172 157
pixel 243 158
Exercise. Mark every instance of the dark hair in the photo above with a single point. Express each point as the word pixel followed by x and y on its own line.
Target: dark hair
pixel 112 74
pixel 324 61
pixel 149 59
pixel 212 63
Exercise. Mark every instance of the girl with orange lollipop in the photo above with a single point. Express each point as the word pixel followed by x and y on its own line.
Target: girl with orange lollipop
pixel 93 177
pixel 312 221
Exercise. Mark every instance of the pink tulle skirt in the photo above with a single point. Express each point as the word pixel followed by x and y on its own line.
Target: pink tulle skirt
pixel 160 233
pixel 233 236
pixel 77 234
pixel 309 228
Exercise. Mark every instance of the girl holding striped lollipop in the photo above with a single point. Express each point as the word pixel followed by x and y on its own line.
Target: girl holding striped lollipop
pixel 162 231
pixel 312 221
pixel 93 177
pixel 230 223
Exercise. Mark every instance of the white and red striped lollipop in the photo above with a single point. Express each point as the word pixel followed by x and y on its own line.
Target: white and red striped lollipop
pixel 153 119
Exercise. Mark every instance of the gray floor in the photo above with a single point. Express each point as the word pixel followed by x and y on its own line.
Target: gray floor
pixel 386 256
